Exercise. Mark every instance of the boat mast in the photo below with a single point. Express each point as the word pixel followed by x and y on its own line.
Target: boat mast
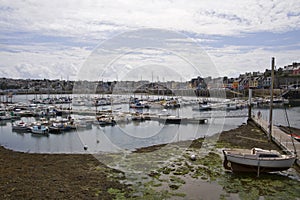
pixel 271 100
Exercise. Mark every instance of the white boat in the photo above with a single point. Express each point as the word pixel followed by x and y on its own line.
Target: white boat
pixel 21 126
pixel 5 116
pixel 40 129
pixel 256 160
pixel 83 125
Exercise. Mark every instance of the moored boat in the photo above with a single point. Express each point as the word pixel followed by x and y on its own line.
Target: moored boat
pixel 40 129
pixel 106 120
pixel 83 125
pixel 59 127
pixel 296 137
pixel 21 126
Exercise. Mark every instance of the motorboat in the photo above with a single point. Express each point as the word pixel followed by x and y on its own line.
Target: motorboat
pixel 21 126
pixel 40 129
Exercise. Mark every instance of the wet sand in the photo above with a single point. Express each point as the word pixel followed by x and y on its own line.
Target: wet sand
pixel 61 176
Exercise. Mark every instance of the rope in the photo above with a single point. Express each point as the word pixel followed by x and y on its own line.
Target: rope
pixel 290 131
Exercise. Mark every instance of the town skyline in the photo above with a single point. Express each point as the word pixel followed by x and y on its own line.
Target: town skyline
pixel 284 76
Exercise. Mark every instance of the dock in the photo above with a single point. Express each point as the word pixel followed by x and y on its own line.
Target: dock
pixel 178 120
pixel 282 139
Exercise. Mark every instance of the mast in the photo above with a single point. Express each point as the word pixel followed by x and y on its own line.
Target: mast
pixel 271 100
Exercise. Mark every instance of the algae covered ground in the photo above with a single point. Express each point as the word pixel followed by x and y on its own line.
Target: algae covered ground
pixel 157 172
pixel 168 172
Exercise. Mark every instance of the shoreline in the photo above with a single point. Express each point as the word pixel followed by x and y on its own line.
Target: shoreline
pixel 140 149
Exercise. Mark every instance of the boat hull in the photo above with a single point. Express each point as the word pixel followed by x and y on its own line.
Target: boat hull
pixel 236 167
pixel 252 163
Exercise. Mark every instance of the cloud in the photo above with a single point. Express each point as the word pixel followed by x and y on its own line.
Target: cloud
pixel 92 17
pixel 41 62
pixel 40 35
pixel 234 60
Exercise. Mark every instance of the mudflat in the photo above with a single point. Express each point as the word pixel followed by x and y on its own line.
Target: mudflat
pixel 82 176
pixel 54 176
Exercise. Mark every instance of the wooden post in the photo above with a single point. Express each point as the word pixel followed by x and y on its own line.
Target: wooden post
pixel 249 106
pixel 258 168
pixel 271 100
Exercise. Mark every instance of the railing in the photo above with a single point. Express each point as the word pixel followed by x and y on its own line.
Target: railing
pixel 284 140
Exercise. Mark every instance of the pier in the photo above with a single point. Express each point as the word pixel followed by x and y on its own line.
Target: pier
pixel 282 139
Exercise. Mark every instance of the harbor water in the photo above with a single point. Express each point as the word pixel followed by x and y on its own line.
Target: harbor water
pixel 131 135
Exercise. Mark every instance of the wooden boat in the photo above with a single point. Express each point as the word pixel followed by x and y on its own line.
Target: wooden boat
pixel 256 160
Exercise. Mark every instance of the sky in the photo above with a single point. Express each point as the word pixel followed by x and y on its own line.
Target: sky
pixel 154 40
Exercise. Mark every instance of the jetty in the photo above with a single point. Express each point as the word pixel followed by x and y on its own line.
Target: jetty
pixel 282 139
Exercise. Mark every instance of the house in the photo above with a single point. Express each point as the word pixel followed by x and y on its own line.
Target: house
pixel 292 69
pixel 267 82
pixel 253 82
pixel 296 71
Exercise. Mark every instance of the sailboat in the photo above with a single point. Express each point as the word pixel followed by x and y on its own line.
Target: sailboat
pixel 258 160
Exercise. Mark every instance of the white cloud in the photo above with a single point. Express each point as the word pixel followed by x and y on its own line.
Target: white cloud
pixel 71 17
pixel 234 60
pixel 89 22
pixel 43 62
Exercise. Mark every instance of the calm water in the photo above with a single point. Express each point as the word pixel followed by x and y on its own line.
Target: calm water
pixel 128 136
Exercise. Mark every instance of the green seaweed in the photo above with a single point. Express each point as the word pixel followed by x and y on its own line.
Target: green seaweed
pixel 270 186
pixel 117 193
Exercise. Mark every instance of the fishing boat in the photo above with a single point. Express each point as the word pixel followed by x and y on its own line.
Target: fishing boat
pixel 39 129
pixel 256 160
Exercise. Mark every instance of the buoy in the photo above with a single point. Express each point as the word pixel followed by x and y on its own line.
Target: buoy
pixel 193 157
pixel 85 147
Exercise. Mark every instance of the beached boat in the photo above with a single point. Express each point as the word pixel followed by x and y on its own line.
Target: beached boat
pixel 256 160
